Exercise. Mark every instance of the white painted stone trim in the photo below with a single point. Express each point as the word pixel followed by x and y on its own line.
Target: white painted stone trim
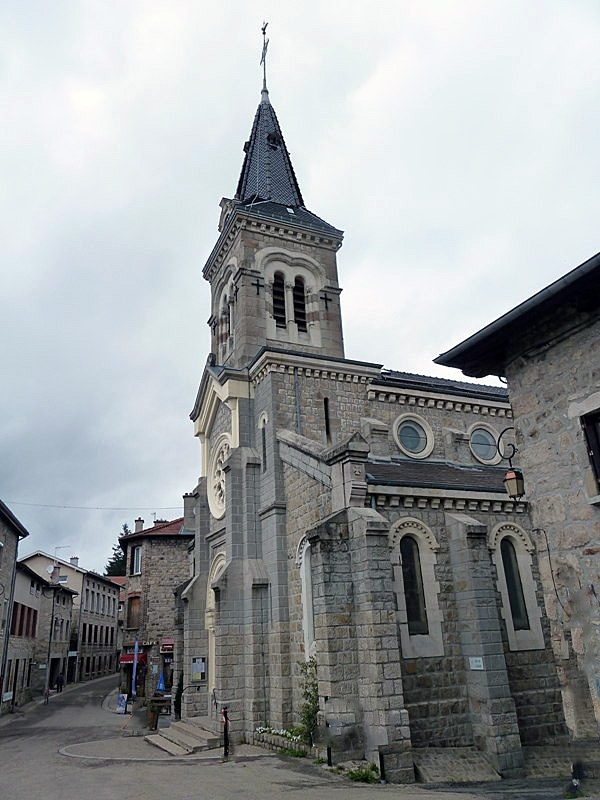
pixel 304 564
pixel 423 424
pixel 216 479
pixel 420 645
pixel 533 639
pixel 476 426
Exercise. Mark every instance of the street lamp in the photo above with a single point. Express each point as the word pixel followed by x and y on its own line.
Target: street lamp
pixel 513 480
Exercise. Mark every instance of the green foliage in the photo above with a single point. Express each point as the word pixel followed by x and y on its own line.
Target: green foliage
pixel 116 563
pixel 367 774
pixel 310 696
pixel 291 751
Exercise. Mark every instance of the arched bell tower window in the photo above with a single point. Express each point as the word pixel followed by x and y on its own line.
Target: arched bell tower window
pixel 414 595
pixel 279 300
pixel 299 304
pixel 516 597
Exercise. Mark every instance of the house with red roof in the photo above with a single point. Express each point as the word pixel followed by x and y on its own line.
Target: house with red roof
pixel 158 561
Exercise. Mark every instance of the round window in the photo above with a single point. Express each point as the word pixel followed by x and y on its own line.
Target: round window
pixel 413 435
pixel 483 444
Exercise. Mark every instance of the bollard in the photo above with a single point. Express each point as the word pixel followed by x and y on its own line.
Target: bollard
pixel 225 732
pixel 381 769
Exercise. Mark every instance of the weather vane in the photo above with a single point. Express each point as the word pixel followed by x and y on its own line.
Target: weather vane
pixel 263 59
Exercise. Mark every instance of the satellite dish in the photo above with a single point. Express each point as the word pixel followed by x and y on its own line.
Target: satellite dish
pixel 50 569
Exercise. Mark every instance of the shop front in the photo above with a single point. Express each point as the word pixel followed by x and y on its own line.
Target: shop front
pixel 126 663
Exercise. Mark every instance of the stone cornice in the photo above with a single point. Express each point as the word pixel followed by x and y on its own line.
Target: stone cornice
pixel 448 402
pixel 442 499
pixel 241 220
pixel 343 370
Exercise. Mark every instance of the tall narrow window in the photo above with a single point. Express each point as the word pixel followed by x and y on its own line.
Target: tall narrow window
pixel 327 422
pixel 516 598
pixel 279 300
pixel 591 428
pixel 304 561
pixel 134 612
pixel 413 586
pixel 299 304
pixel 263 436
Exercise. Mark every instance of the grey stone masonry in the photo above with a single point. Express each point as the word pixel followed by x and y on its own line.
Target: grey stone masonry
pixel 494 718
pixel 355 627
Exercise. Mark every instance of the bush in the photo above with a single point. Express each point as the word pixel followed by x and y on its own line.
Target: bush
pixel 310 694
pixel 367 774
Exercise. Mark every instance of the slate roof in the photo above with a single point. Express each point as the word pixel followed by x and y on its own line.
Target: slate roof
pixel 295 216
pixel 267 182
pixel 267 172
pixel 9 518
pixel 436 475
pixel 487 351
pixel 446 385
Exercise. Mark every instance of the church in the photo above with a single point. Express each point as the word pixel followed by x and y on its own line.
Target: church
pixel 351 514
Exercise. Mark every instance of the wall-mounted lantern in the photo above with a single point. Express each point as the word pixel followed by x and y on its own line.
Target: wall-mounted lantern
pixel 514 483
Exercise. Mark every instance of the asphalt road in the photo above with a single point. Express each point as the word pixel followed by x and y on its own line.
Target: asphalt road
pixel 32 766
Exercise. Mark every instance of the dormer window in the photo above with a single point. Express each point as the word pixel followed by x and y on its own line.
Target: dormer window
pixel 273 140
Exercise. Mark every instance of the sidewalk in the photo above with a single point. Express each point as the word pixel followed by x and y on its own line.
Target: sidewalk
pixel 20 711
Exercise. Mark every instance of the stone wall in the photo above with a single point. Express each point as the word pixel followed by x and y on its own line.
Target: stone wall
pixel 551 387
pixel 8 556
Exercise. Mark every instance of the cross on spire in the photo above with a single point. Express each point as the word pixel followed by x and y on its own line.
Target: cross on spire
pixel 263 59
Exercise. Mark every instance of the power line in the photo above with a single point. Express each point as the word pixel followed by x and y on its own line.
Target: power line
pixel 96 508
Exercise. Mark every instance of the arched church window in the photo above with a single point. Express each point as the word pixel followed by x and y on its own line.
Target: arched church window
pixel 516 597
pixel 279 300
pixel 299 304
pixel 227 316
pixel 304 562
pixel 412 578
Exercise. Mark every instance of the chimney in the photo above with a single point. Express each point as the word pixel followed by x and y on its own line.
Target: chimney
pixel 74 561
pixel 139 525
pixel 189 511
pixel 54 574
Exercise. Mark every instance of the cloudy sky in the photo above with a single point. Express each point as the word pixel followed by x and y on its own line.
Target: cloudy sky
pixel 455 142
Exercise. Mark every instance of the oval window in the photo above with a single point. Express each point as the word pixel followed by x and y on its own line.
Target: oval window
pixel 413 436
pixel 483 444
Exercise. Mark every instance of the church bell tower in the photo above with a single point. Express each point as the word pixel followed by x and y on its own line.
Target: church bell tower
pixel 273 270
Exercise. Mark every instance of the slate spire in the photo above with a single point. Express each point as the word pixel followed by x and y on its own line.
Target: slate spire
pixel 267 173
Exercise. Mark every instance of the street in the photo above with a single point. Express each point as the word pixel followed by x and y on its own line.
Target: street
pixel 75 747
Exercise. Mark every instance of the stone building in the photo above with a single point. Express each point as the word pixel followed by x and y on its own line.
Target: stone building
pixel 350 513
pixel 158 561
pixel 548 348
pixel 11 533
pixel 40 633
pixel 93 645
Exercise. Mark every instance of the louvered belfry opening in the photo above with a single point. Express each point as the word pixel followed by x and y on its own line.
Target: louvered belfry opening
pixel 279 300
pixel 299 304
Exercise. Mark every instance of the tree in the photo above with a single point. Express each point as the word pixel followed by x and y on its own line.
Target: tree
pixel 116 563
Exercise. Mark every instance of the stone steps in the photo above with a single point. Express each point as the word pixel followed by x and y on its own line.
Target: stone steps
pixel 186 736
pixel 555 761
pixel 452 765
pixel 164 744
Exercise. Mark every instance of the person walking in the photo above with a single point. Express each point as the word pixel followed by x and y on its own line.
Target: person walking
pixel 60 682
